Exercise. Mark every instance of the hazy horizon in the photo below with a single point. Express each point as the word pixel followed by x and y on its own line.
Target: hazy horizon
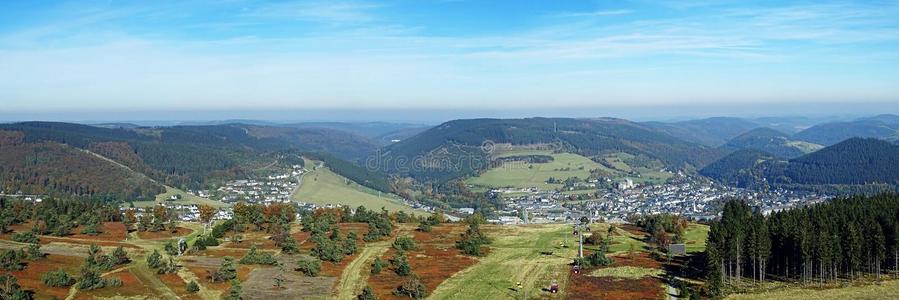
pixel 821 112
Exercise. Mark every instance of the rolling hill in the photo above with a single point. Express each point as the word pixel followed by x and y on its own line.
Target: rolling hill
pixel 195 156
pixel 771 141
pixel 885 127
pixel 710 132
pixel 856 161
pixel 51 168
pixel 455 148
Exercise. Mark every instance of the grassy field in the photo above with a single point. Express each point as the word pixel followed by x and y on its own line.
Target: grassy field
pixel 186 199
pixel 515 256
pixel 627 272
pixel 695 237
pixel 322 186
pixel 649 171
pixel 524 175
pixel 882 290
pixel 563 166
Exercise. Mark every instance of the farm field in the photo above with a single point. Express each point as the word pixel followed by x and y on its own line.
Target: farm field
pixel 322 186
pixel 525 175
pixel 627 165
pixel 186 199
pixel 563 166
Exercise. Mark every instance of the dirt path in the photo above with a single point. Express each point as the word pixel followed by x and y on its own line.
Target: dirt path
pixel 354 276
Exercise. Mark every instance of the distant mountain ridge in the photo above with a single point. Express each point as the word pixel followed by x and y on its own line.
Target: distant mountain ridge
pixel 710 132
pixel 885 127
pixel 771 141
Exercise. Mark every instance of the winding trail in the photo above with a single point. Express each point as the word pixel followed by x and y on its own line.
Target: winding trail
pixel 355 275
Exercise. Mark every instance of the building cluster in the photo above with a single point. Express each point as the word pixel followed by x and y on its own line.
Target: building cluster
pixel 695 198
pixel 264 190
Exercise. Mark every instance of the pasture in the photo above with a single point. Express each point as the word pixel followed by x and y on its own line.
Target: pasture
pixel 322 186
pixel 525 175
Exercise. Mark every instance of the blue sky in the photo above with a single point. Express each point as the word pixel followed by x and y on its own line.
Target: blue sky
pixel 444 54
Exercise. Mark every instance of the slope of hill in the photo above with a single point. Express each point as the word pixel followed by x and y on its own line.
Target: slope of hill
pixel 771 141
pixel 711 132
pixel 322 186
pixel 738 168
pixel 61 170
pixel 884 127
pixel 195 156
pixel 456 148
pixel 855 161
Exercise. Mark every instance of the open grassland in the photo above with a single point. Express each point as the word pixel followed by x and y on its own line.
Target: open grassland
pixel 628 272
pixel 322 186
pixel 883 290
pixel 525 175
pixel 624 239
pixel 185 199
pixel 695 237
pixel 640 170
pixel 618 166
pixel 527 254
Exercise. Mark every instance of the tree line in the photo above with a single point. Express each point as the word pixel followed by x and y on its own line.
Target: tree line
pixel 844 238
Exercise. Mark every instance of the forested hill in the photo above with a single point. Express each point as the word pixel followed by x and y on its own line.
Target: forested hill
pixel 195 156
pixel 855 161
pixel 739 168
pixel 44 167
pixel 462 140
pixel 771 141
pixel 884 127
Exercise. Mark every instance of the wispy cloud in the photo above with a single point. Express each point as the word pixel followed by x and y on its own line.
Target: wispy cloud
pixel 596 13
pixel 331 12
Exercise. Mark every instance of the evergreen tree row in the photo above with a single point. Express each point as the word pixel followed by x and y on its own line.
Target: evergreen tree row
pixel 844 238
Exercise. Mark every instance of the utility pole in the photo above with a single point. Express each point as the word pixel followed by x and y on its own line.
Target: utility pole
pixel 580 249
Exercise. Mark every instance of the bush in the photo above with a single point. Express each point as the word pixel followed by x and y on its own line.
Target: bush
pixel 367 294
pixel 11 260
pixel 171 248
pixel 154 260
pixel 193 287
pixel 120 256
pixel 310 266
pixel 289 246
pixel 377 266
pixel 404 243
pixel 12 289
pixel 412 288
pixel 33 252
pixel 424 227
pixel 401 264
pixel 234 291
pixel 25 237
pixel 167 267
pixel 227 271
pixel 58 278
pixel 255 257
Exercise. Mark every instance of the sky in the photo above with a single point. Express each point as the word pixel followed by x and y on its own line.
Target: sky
pixel 146 59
